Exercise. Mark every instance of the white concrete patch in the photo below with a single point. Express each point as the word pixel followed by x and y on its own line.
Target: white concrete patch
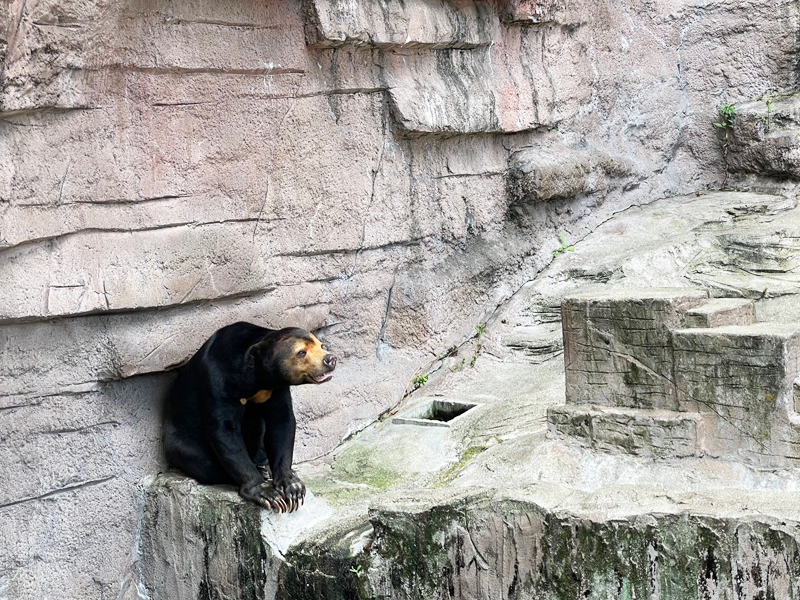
pixel 281 529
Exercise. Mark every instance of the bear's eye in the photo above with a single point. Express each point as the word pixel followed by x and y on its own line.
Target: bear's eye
pixel 301 354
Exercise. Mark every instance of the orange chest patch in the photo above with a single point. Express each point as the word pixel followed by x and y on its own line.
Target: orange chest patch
pixel 259 397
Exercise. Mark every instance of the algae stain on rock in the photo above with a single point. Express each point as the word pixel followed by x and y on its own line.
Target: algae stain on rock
pixel 451 473
pixel 359 464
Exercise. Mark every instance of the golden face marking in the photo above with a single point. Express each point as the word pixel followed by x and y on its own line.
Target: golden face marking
pixel 306 363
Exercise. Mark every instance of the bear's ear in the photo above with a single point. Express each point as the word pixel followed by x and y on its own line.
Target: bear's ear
pixel 257 351
pixel 261 353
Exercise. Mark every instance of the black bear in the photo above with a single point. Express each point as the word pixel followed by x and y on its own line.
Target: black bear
pixel 229 416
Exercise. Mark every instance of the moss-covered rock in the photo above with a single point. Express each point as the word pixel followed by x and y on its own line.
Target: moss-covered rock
pixel 202 543
pixel 519 550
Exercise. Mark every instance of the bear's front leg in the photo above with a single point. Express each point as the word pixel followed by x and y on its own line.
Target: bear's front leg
pixel 279 429
pixel 229 445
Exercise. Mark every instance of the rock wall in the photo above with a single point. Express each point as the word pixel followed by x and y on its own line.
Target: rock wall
pixel 383 173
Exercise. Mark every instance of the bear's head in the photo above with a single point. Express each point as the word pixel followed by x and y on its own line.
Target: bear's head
pixel 294 356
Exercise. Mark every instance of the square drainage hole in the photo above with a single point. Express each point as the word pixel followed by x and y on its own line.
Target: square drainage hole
pixel 436 413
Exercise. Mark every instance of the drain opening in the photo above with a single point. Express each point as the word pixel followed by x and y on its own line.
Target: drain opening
pixel 438 413
pixel 444 411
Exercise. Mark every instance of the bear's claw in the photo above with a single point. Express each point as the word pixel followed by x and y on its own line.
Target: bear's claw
pixel 265 494
pixel 293 491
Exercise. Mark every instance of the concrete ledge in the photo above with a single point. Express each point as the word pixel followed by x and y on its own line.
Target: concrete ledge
pixel 541 542
pixel 767 144
pixel 656 433
pixel 720 312
pixel 540 174
pixel 524 547
pixel 618 349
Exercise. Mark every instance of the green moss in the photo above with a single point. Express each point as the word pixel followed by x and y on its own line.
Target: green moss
pixel 359 464
pixel 337 493
pixel 323 571
pixel 221 520
pixel 632 376
pixel 452 472
pixel 417 548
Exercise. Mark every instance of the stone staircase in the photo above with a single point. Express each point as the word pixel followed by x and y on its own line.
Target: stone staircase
pixel 671 373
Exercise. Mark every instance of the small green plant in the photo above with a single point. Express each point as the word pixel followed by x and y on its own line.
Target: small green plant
pixel 459 365
pixel 420 380
pixel 727 115
pixel 358 571
pixel 565 247
pixel 480 328
pixel 768 122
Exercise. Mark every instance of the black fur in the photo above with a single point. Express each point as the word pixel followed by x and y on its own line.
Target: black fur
pixel 211 436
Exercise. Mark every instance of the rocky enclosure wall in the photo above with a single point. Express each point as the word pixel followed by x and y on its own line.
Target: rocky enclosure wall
pixel 385 173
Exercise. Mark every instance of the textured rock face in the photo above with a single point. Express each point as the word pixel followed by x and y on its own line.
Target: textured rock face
pixel 764 137
pixel 166 169
pixel 437 545
pixel 415 24
pixel 529 552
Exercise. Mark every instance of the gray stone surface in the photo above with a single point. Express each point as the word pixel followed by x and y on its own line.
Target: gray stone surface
pixel 532 12
pixel 764 141
pixel 731 388
pixel 540 174
pixel 514 547
pixel 741 378
pixel 657 433
pixel 170 168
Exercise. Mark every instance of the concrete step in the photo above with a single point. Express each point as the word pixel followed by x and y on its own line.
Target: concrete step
pixel 645 349
pixel 741 378
pixel 652 433
pixel 617 345
pixel 719 312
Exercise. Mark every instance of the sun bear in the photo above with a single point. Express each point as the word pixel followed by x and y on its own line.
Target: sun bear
pixel 229 416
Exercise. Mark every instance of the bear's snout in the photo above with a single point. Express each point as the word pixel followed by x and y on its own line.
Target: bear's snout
pixel 330 361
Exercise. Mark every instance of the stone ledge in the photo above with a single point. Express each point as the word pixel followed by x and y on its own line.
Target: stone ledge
pixel 541 542
pixel 200 541
pixel 521 547
pixel 617 345
pixel 720 312
pixel 766 144
pixel 411 24
pixel 656 433
pixel 629 349
pixel 548 173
